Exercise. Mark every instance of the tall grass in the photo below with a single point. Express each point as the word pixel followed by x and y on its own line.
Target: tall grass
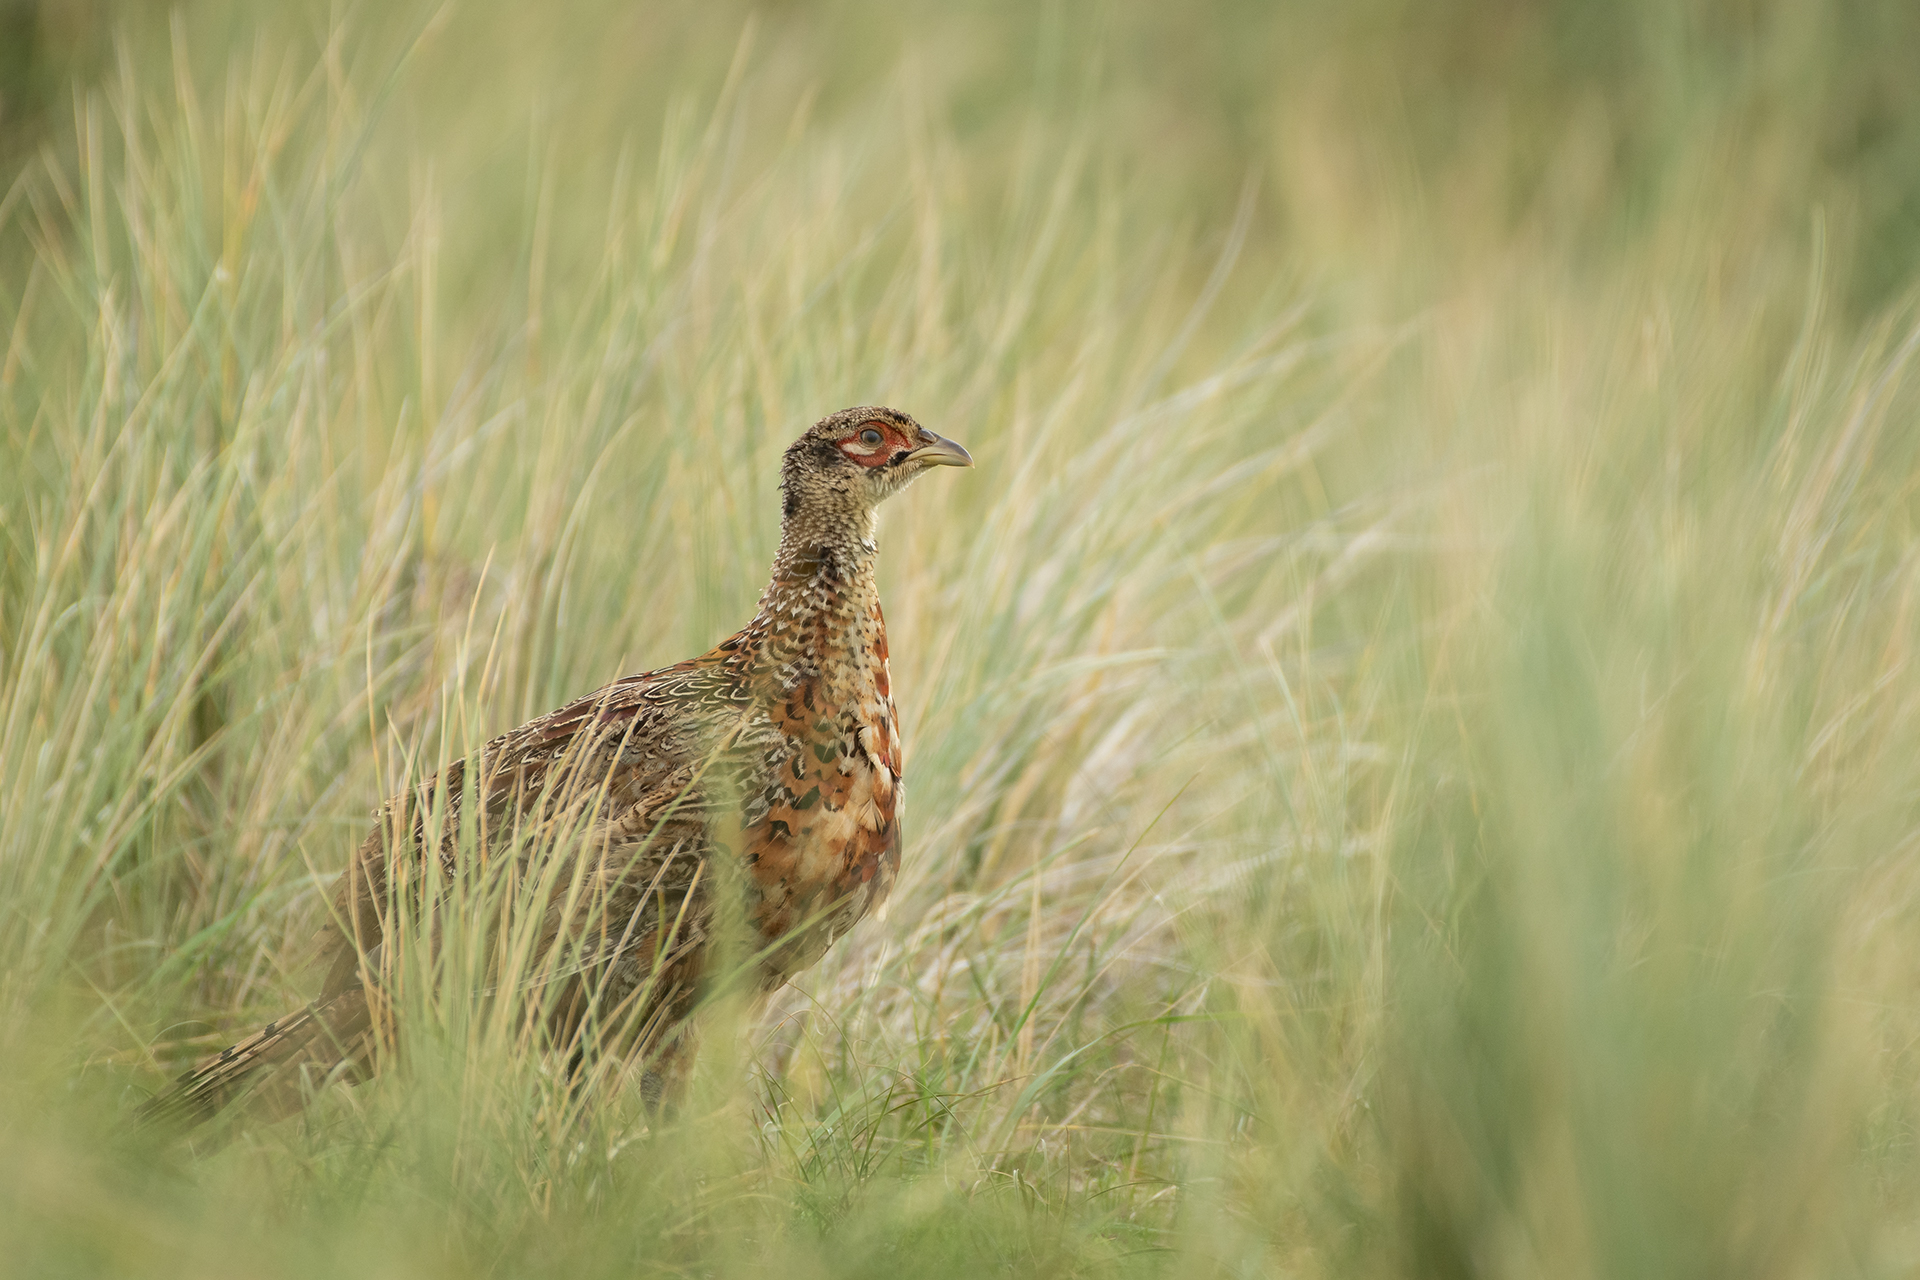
pixel 1411 750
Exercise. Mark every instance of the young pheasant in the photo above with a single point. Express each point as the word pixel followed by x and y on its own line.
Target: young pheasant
pixel 768 768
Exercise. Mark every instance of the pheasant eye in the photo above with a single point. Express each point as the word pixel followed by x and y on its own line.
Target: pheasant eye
pixel 870 437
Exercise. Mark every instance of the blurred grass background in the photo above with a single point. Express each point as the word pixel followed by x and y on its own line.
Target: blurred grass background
pixel 1412 745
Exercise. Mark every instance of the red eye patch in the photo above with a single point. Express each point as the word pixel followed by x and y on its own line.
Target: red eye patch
pixel 878 452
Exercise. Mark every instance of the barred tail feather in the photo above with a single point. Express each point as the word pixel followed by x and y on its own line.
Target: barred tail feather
pixel 266 1068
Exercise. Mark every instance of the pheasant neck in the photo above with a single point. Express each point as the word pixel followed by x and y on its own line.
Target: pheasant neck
pixel 818 609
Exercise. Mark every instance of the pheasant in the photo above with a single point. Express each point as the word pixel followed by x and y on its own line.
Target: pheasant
pixel 765 771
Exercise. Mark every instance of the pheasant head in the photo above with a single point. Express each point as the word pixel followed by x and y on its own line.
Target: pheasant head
pixel 846 465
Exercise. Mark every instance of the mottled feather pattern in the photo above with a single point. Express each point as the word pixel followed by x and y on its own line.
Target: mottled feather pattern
pixel 778 751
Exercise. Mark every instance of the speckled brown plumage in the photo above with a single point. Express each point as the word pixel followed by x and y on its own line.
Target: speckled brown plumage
pixel 767 768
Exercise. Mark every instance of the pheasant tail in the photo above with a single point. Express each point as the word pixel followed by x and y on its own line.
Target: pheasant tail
pixel 268 1066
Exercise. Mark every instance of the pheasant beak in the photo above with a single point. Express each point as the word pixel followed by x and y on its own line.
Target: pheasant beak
pixel 939 452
